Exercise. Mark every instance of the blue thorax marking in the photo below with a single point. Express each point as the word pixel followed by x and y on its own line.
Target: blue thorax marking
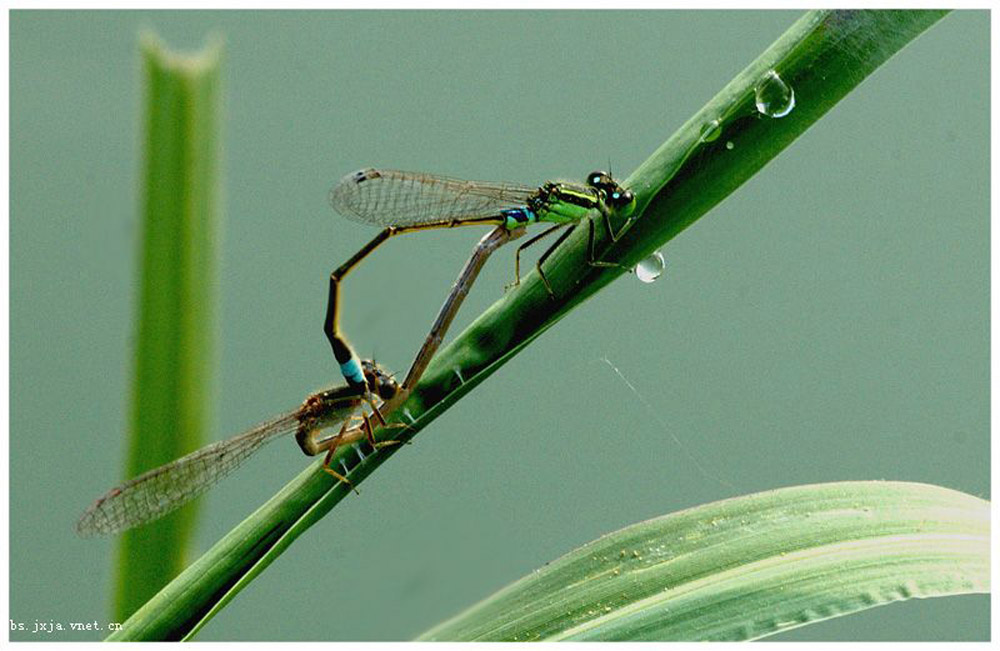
pixel 518 217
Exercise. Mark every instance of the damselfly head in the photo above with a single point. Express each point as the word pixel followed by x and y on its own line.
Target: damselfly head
pixel 615 196
pixel 380 381
pixel 621 199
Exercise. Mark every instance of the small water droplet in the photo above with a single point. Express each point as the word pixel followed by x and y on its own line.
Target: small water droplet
pixel 710 131
pixel 729 145
pixel 650 268
pixel 774 98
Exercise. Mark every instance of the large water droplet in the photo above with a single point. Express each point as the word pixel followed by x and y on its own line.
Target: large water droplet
pixel 774 98
pixel 710 131
pixel 650 268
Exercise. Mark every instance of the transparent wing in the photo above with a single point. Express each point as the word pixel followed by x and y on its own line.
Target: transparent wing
pixel 161 490
pixel 394 198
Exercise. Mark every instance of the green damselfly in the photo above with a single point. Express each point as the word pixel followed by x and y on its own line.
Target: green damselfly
pixel 406 202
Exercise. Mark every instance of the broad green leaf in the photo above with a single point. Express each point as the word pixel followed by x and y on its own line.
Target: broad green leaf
pixel 748 567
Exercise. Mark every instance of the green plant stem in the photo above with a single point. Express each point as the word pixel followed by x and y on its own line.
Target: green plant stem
pixel 175 340
pixel 823 56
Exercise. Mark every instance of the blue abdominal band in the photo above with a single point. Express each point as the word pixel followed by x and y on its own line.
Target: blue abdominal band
pixel 352 371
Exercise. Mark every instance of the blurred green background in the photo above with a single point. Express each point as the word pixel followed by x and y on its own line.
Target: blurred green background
pixel 827 322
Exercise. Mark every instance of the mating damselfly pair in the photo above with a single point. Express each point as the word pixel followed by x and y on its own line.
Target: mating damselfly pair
pixel 401 202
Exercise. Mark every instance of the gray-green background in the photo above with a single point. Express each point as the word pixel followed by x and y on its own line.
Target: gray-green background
pixel 829 321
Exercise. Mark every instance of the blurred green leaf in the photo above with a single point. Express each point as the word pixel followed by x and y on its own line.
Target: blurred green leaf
pixel 175 339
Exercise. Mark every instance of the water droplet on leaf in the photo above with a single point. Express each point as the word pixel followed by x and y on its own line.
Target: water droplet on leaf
pixel 774 98
pixel 650 268
pixel 710 131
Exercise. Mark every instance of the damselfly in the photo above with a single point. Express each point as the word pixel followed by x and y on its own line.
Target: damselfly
pixel 405 202
pixel 157 492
